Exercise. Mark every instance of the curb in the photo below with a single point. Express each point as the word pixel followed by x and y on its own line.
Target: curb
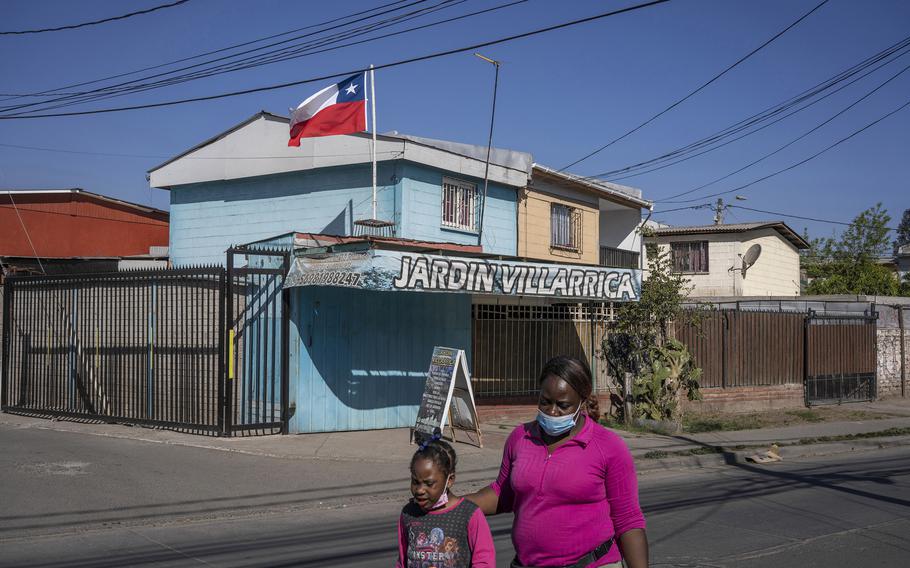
pixel 726 457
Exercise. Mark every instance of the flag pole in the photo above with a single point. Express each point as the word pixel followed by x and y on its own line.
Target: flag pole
pixel 373 145
pixel 486 172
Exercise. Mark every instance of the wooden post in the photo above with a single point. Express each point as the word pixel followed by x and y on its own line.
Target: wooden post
pixel 627 398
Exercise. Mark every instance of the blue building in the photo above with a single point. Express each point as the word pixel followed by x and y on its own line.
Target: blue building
pixel 246 185
pixel 358 353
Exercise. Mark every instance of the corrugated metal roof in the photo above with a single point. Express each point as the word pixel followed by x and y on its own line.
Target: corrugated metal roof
pixel 779 226
pixel 88 194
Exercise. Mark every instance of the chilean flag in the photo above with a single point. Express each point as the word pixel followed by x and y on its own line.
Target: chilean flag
pixel 337 109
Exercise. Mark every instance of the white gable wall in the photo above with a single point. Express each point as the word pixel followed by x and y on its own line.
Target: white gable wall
pixel 776 272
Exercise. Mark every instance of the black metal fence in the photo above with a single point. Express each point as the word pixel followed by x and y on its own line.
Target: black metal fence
pixel 151 347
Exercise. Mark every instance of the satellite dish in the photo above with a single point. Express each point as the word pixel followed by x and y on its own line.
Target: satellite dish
pixel 750 257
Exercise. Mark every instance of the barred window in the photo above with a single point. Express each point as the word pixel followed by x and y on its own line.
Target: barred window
pixel 690 256
pixel 459 204
pixel 565 227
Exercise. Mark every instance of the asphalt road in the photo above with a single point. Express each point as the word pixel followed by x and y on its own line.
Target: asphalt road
pixel 77 500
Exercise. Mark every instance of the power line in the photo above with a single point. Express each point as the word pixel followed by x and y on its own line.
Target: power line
pixel 703 205
pixel 795 140
pixel 799 216
pixel 801 162
pixel 27 235
pixel 54 92
pixel 161 156
pixel 697 90
pixel 691 150
pixel 96 22
pixel 263 59
pixel 352 72
pixel 126 86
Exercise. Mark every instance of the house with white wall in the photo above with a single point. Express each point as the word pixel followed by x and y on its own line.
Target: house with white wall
pixel 716 258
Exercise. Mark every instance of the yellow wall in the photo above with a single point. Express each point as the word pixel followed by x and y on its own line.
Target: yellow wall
pixel 534 227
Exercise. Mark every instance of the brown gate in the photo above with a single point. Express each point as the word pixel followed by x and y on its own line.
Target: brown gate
pixel 840 362
pixel 737 348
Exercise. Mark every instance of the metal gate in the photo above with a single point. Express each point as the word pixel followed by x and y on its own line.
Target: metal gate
pixel 200 349
pixel 258 312
pixel 138 347
pixel 840 358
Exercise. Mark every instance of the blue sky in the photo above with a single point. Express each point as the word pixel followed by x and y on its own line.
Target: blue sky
pixel 561 94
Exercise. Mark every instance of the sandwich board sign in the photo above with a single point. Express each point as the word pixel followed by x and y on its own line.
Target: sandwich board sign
pixel 447 397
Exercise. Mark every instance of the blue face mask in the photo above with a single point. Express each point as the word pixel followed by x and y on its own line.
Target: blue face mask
pixel 557 425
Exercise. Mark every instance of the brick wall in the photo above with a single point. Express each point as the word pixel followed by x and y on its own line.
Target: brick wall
pixel 748 399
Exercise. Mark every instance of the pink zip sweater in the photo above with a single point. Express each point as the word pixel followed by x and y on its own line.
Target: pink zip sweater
pixel 568 502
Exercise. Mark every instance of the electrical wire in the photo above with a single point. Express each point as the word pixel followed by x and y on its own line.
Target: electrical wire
pixel 27 235
pixel 398 63
pixel 126 85
pixel 54 92
pixel 698 89
pixel 286 56
pixel 879 60
pixel 96 22
pixel 795 140
pixel 801 162
pixel 164 157
pixel 799 216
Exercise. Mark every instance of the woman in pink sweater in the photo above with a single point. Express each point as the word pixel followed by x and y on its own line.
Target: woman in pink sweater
pixel 570 482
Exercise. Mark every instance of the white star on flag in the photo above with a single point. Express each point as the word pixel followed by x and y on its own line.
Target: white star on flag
pixel 351 90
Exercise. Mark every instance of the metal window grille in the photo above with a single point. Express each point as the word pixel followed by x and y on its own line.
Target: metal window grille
pixel 459 205
pixel 511 343
pixel 565 227
pixel 618 258
pixel 690 256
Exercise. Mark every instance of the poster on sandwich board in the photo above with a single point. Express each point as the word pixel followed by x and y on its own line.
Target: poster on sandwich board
pixel 447 398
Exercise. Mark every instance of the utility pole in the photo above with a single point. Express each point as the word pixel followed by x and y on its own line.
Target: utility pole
pixel 719 211
pixel 486 173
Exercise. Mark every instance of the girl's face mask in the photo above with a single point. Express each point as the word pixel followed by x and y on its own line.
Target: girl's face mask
pixel 444 498
pixel 557 425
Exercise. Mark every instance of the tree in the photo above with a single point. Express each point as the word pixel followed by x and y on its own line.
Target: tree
pixel 849 265
pixel 903 231
pixel 639 347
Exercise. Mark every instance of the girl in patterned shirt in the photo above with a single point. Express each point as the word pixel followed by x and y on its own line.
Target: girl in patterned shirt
pixel 438 529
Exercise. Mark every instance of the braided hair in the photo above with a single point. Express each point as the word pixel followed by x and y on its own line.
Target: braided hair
pixel 439 452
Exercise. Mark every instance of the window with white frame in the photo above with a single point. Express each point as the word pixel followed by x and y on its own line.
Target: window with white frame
pixel 459 204
pixel 565 227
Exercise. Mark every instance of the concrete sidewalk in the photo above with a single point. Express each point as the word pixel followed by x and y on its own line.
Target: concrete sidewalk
pixel 652 451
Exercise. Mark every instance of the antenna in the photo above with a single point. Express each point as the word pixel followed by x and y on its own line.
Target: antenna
pixel 749 258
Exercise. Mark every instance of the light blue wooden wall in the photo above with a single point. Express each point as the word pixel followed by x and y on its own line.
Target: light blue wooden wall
pixel 421 216
pixel 206 219
pixel 359 359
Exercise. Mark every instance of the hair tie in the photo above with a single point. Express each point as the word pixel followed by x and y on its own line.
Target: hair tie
pixel 427 443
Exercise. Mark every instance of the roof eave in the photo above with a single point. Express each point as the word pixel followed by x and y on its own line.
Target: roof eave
pixel 596 188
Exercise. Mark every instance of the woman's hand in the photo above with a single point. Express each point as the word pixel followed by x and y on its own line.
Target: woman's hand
pixel 634 547
pixel 486 499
